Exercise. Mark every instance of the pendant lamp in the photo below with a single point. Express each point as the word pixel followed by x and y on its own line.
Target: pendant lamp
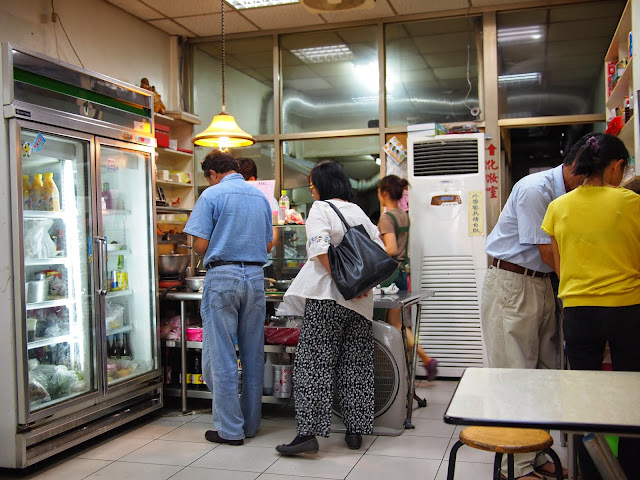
pixel 224 132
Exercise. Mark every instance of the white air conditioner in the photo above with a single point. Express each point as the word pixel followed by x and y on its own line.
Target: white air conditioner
pixel 390 397
pixel 329 6
pixel 447 245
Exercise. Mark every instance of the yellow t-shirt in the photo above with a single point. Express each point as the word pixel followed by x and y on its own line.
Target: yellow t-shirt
pixel 598 235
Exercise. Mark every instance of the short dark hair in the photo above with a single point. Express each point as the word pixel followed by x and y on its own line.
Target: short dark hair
pixel 393 185
pixel 219 162
pixel 597 153
pixel 248 168
pixel 330 181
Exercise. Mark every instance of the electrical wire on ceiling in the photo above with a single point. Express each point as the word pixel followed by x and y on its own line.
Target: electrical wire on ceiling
pixel 55 16
pixel 475 111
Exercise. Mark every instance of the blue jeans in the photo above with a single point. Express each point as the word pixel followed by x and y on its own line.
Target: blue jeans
pixel 234 306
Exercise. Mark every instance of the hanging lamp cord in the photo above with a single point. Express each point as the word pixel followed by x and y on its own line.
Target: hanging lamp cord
pixel 223 52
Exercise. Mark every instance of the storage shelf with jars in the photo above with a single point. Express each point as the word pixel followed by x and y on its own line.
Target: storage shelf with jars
pixel 621 85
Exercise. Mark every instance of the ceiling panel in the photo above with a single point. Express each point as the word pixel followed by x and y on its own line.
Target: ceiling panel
pixel 408 7
pixel 177 8
pixel 283 16
pixel 137 8
pixel 381 10
pixel 208 25
pixel 172 28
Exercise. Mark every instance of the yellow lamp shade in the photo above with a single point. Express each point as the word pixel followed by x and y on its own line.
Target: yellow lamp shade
pixel 223 133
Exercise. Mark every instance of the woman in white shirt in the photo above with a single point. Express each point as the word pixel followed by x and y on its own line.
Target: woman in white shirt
pixel 336 338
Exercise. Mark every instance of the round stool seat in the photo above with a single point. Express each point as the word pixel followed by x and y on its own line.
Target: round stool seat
pixel 506 440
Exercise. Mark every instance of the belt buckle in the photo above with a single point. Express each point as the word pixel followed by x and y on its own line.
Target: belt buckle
pixel 528 273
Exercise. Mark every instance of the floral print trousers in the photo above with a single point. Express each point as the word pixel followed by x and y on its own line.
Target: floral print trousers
pixel 335 348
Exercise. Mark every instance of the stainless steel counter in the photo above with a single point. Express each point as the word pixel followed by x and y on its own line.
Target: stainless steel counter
pixel 403 300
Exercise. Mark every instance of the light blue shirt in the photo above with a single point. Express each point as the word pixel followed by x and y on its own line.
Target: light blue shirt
pixel 517 233
pixel 236 219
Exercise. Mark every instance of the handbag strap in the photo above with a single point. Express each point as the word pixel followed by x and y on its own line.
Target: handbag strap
pixel 335 209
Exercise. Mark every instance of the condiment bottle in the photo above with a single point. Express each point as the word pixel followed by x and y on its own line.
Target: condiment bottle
pixel 26 193
pixel 37 192
pixel 107 201
pixel 51 194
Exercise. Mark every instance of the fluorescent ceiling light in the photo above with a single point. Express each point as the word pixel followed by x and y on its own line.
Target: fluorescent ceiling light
pixel 329 53
pixel 243 4
pixel 520 34
pixel 534 77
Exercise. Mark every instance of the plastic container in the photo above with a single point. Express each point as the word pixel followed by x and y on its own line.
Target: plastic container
pixel 282 381
pixel 37 291
pixel 37 192
pixel 193 334
pixel 51 195
pixel 281 335
pixel 267 388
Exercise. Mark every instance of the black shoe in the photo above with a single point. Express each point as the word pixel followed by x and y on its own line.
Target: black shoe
pixel 300 444
pixel 354 440
pixel 213 436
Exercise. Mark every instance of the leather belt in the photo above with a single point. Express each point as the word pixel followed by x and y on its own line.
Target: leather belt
pixel 225 262
pixel 512 267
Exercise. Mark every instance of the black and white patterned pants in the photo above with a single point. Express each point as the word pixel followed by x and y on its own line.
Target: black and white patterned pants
pixel 334 342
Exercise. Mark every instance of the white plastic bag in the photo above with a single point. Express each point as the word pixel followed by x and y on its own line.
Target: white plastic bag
pixel 37 242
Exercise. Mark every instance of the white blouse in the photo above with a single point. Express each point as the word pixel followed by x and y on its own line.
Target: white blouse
pixel 324 227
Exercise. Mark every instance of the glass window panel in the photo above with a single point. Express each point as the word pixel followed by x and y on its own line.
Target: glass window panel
pixel 356 154
pixel 550 61
pixel 248 83
pixel 432 70
pixel 262 153
pixel 329 80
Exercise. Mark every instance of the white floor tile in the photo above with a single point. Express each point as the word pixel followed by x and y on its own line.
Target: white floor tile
pixel 115 448
pixel 162 452
pixel 194 473
pixel 323 464
pixel 268 476
pixel 336 443
pixel 135 471
pixel 279 422
pixel 72 469
pixel 203 418
pixel 189 432
pixel 432 410
pixel 408 446
pixel 244 458
pixel 434 396
pixel 269 437
pixel 378 467
pixel 153 430
pixel 466 471
pixel 429 427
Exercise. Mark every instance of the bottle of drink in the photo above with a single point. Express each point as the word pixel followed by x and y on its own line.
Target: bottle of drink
pixel 26 193
pixel 107 201
pixel 37 192
pixel 283 206
pixel 197 370
pixel 51 194
pixel 126 353
pixel 114 351
pixel 267 388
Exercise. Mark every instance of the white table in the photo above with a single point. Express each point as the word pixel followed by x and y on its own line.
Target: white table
pixel 578 401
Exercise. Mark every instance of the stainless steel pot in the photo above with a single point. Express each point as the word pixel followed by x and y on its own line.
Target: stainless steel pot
pixel 194 283
pixel 279 285
pixel 174 264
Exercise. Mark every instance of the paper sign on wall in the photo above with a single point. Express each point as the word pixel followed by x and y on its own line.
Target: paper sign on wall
pixel 267 187
pixel 476 213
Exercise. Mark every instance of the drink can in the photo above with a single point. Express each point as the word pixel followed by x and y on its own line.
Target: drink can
pixel 114 280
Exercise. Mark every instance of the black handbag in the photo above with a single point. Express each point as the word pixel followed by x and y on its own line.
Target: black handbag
pixel 358 264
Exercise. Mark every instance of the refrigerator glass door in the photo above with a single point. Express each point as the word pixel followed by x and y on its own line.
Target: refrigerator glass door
pixel 129 309
pixel 58 321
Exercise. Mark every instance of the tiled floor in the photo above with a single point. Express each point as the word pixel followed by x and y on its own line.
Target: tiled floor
pixel 173 446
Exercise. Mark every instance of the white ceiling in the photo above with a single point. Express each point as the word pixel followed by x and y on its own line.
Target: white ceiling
pixel 201 18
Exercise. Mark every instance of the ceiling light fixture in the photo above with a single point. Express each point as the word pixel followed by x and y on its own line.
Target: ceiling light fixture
pixel 328 53
pixel 534 77
pixel 520 34
pixel 224 132
pixel 244 4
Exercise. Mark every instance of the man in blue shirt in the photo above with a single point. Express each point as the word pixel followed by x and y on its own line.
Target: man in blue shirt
pixel 518 303
pixel 231 226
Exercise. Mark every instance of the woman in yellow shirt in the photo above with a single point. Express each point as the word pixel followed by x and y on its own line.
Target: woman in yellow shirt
pixel 595 235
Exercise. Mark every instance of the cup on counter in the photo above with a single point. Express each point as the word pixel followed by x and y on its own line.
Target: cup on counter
pixel 31 328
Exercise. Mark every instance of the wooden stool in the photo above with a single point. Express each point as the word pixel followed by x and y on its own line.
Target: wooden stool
pixel 505 440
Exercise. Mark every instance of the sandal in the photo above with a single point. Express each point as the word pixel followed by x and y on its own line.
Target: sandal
pixel 549 470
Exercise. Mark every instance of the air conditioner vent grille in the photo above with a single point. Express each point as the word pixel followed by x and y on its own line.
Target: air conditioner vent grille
pixel 451 157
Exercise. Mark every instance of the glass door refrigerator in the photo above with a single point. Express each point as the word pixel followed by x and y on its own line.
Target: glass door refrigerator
pixel 79 343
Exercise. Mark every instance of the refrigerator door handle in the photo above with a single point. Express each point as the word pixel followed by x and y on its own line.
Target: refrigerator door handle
pixel 102 264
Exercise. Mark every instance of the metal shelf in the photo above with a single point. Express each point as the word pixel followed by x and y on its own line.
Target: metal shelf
pixel 40 262
pixel 49 341
pixel 120 293
pixel 62 302
pixel 173 391
pixel 115 331
pixel 267 348
pixel 173 209
pixel 42 214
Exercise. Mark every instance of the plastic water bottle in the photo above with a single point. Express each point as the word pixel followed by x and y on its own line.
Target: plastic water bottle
pixel 283 206
pixel 268 376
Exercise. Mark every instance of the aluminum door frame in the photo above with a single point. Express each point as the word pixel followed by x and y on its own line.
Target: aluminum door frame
pixel 25 416
pixel 157 372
